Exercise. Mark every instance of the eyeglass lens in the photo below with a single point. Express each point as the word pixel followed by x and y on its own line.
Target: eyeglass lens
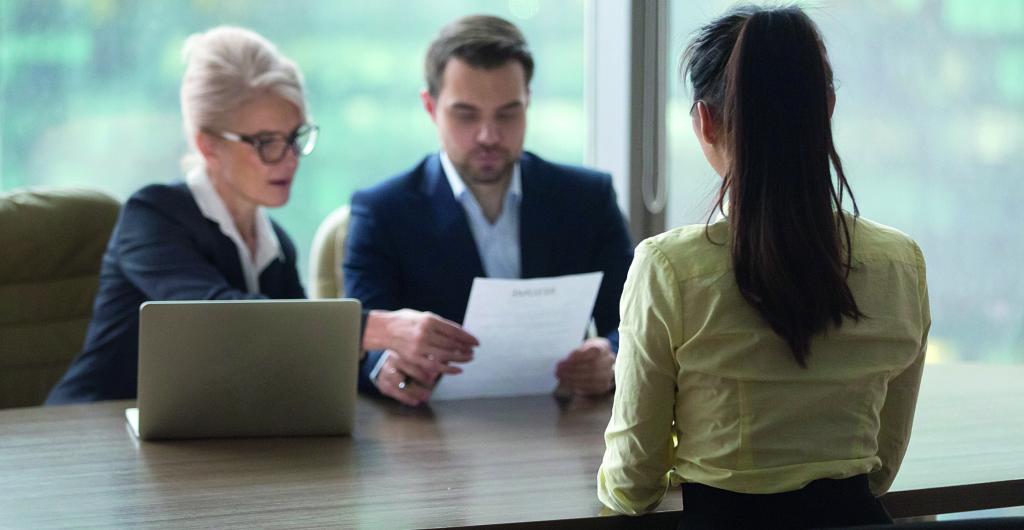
pixel 303 140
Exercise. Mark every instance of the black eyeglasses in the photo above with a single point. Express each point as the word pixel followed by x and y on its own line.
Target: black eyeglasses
pixel 272 147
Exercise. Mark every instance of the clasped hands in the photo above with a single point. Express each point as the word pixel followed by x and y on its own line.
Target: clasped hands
pixel 421 346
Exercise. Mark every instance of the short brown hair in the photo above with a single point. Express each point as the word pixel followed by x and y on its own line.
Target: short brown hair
pixel 481 41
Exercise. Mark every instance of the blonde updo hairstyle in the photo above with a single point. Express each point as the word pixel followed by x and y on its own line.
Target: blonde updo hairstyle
pixel 225 67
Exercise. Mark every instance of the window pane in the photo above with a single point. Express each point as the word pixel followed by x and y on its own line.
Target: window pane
pixel 930 123
pixel 89 89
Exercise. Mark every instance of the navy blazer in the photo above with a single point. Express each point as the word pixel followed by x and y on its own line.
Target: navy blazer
pixel 162 248
pixel 410 245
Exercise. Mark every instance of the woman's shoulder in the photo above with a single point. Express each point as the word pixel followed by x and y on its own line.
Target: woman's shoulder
pixel 172 198
pixel 163 204
pixel 678 239
pixel 171 193
pixel 873 241
pixel 692 250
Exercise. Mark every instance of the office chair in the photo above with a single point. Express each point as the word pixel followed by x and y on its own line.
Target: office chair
pixel 52 242
pixel 326 279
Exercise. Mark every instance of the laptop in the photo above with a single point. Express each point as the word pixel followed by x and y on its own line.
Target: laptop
pixel 210 369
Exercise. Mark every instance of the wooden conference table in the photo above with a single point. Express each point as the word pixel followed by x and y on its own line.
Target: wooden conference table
pixel 524 462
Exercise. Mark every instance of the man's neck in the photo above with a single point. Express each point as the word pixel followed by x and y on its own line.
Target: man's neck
pixel 491 196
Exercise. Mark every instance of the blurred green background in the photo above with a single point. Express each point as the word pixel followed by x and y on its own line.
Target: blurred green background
pixel 929 119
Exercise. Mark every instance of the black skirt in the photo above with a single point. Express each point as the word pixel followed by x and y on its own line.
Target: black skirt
pixel 823 503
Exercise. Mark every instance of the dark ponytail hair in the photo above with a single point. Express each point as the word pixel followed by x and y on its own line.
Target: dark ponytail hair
pixel 765 76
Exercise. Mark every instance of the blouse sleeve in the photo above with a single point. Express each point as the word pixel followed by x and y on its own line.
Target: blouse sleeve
pixel 638 457
pixel 897 415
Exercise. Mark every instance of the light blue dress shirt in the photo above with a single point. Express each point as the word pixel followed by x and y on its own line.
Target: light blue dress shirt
pixel 498 242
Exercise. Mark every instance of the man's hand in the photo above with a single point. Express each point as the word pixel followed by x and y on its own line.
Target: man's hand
pixel 423 343
pixel 392 382
pixel 588 370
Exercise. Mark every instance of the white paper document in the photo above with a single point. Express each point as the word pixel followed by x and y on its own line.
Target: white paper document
pixel 524 327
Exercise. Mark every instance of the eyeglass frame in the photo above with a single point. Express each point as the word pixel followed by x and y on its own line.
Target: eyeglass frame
pixel 257 142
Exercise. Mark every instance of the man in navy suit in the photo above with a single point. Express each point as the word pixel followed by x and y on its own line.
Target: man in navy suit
pixel 482 207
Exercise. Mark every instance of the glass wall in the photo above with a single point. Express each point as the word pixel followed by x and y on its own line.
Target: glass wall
pixel 930 125
pixel 89 88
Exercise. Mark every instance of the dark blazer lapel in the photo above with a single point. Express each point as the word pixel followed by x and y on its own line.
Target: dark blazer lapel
pixel 230 261
pixel 450 227
pixel 536 222
pixel 209 234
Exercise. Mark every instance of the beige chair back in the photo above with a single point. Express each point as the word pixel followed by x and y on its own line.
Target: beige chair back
pixel 328 253
pixel 51 243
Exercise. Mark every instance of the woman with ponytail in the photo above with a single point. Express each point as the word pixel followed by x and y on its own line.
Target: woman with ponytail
pixel 769 362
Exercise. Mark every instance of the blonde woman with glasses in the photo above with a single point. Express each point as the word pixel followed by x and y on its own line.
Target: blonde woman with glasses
pixel 208 237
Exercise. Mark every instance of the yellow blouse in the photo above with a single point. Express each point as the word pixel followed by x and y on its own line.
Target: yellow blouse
pixel 707 392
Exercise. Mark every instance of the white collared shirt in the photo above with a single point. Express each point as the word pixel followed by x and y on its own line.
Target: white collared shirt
pixel 212 206
pixel 498 242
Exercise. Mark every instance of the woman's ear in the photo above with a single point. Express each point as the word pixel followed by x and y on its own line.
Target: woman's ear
pixel 706 130
pixel 704 124
pixel 206 145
